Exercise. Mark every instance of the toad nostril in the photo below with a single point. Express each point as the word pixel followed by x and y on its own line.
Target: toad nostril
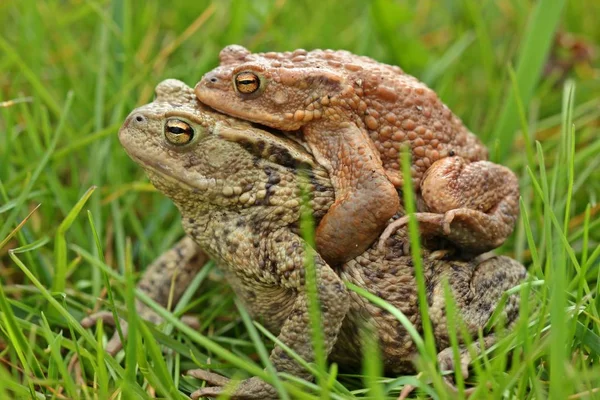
pixel 211 78
pixel 139 118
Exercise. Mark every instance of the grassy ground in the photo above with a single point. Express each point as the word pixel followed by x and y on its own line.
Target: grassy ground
pixel 74 210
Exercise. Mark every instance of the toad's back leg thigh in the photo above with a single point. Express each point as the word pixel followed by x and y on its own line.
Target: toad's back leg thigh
pixel 478 202
pixel 172 272
pixel 365 198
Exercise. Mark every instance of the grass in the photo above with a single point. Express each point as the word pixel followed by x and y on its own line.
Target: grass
pixel 79 222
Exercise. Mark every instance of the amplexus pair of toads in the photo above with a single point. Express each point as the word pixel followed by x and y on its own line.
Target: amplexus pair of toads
pixel 355 114
pixel 340 121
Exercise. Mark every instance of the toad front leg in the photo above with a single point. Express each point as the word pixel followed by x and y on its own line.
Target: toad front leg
pixel 285 251
pixel 473 204
pixel 365 198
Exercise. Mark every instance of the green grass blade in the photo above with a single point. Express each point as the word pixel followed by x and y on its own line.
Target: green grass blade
pixel 262 351
pixel 532 56
pixel 415 250
pixel 307 229
pixel 60 242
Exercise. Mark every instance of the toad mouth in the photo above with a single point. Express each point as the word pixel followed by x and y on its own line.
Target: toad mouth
pixel 167 174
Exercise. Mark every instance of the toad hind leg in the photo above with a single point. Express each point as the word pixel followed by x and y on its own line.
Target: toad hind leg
pixel 473 204
pixel 479 200
pixel 175 269
pixel 477 291
pixel 365 198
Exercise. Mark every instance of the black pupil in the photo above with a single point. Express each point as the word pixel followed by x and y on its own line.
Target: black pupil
pixel 178 130
pixel 247 81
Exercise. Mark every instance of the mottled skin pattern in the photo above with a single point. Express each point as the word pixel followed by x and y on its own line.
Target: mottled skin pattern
pixel 238 190
pixel 356 114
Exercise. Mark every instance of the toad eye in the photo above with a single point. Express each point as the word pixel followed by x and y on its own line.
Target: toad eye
pixel 178 132
pixel 247 82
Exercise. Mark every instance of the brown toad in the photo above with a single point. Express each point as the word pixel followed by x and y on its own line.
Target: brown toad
pixel 356 114
pixel 239 192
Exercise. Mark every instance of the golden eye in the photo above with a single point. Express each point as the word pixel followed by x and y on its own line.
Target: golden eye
pixel 178 132
pixel 247 82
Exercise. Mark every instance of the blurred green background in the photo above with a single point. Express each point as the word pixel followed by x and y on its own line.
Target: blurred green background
pixel 109 56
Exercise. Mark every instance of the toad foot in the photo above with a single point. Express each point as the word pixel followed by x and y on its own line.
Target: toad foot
pixel 446 363
pixel 249 389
